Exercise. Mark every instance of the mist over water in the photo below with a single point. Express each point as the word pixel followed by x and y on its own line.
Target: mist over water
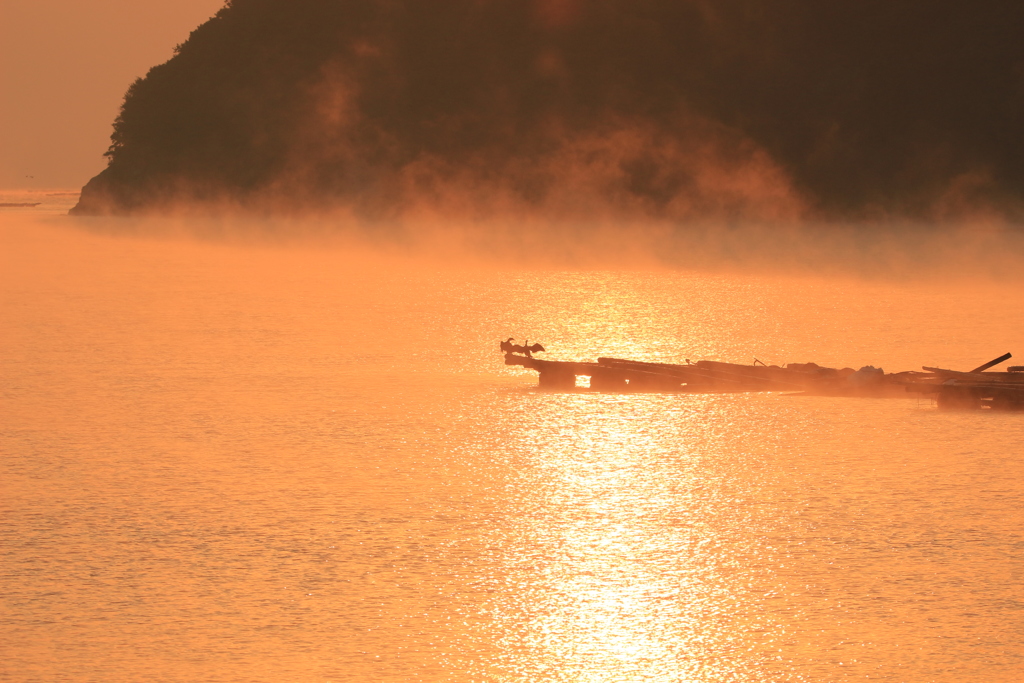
pixel 239 459
pixel 964 252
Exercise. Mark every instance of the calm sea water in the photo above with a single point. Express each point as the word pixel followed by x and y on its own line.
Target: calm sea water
pixel 225 463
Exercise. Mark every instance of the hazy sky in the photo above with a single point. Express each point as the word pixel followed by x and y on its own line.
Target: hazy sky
pixel 64 68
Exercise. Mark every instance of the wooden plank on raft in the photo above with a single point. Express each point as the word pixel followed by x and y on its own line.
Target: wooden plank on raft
pixel 688 372
pixel 1007 377
pixel 992 363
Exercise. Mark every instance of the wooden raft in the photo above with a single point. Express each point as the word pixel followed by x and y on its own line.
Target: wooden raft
pixel 952 389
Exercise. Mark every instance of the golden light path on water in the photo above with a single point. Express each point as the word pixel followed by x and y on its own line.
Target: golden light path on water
pixel 725 541
pixel 253 463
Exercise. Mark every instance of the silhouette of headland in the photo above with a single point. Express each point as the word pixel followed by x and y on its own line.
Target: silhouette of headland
pixel 655 108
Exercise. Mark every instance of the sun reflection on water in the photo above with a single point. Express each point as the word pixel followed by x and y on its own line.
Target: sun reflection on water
pixel 615 552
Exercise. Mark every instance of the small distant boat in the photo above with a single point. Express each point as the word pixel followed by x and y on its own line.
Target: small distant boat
pixel 19 205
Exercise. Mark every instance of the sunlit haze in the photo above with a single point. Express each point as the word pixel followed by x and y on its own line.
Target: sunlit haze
pixel 495 341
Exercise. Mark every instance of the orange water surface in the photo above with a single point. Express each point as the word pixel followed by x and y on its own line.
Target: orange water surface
pixel 227 462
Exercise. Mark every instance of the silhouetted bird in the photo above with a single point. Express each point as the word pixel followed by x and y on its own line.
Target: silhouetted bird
pixel 508 347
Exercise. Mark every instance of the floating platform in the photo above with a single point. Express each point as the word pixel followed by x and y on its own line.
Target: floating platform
pixel 951 388
pixel 971 390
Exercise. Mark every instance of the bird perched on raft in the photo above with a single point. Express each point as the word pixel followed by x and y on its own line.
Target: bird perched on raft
pixel 525 348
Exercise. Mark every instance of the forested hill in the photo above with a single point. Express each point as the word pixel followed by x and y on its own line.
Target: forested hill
pixel 673 109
